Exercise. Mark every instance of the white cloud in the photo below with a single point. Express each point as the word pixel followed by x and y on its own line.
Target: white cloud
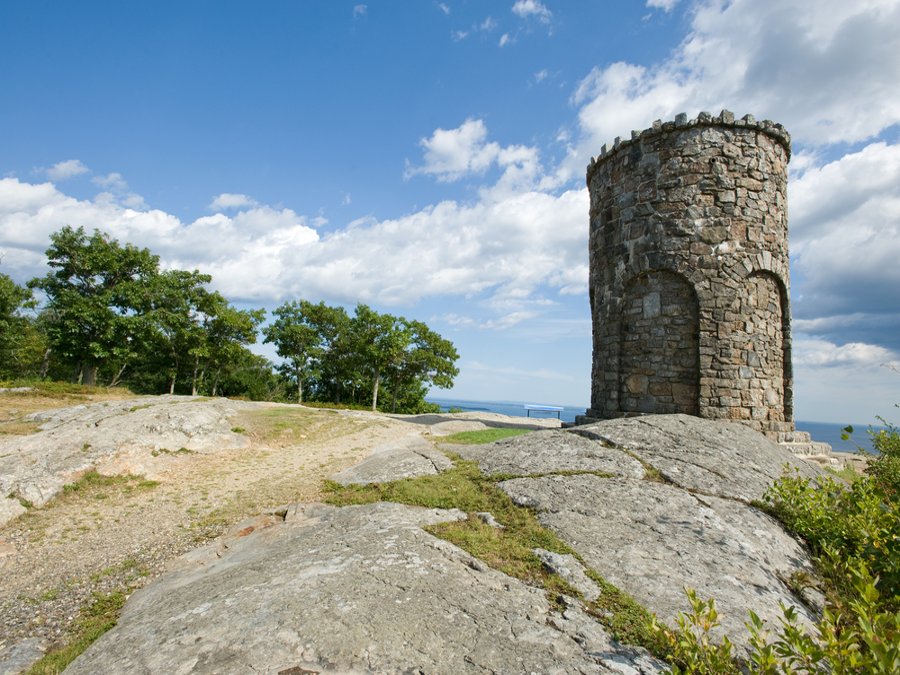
pixel 504 40
pixel 509 320
pixel 532 8
pixel 228 200
pixel 506 246
pixel 487 25
pixel 112 181
pixel 360 10
pixel 665 5
pixel 444 7
pixel 541 75
pixel 116 191
pixel 845 235
pixel 814 352
pixel 451 154
pixel 68 169
pixel 827 71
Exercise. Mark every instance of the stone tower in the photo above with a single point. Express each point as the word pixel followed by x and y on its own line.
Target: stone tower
pixel 689 273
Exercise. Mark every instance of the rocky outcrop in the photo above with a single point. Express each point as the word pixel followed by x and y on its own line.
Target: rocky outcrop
pixel 653 504
pixel 350 590
pixel 73 440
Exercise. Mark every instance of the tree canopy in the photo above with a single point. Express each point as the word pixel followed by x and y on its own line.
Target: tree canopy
pixel 109 314
pixel 332 354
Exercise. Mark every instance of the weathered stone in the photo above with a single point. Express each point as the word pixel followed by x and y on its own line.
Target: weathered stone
pixel 19 657
pixel 549 451
pixel 571 571
pixel 354 589
pixel 402 458
pixel 653 540
pixel 709 456
pixel 114 437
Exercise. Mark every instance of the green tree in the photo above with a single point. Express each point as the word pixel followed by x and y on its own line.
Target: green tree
pixel 177 301
pixel 298 339
pixel 227 330
pixel 19 338
pixel 96 293
pixel 429 359
pixel 380 342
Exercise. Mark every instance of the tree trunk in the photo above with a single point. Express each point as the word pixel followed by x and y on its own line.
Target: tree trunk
pixel 90 377
pixel 172 382
pixel 45 364
pixel 80 377
pixel 194 376
pixel 299 387
pixel 394 395
pixel 375 389
pixel 215 386
pixel 115 380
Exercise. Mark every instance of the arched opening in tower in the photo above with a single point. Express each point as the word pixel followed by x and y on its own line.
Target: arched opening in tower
pixel 760 348
pixel 659 369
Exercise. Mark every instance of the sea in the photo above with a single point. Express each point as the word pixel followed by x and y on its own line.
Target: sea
pixel 820 431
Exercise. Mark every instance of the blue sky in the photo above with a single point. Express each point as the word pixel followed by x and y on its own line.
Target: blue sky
pixel 428 158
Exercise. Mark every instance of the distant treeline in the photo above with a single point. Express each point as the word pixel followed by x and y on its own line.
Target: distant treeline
pixel 106 314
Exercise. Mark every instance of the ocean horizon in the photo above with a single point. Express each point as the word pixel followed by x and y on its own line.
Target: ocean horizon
pixel 824 432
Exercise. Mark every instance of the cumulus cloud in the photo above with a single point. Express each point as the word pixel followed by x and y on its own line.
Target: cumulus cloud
pixel 64 170
pixel 845 239
pixel 767 58
pixel 116 191
pixel 360 10
pixel 504 40
pixel 445 8
pixel 813 352
pixel 507 247
pixel 532 8
pixel 452 154
pixel 229 200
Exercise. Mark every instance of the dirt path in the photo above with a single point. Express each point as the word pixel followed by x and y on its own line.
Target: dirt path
pixel 118 533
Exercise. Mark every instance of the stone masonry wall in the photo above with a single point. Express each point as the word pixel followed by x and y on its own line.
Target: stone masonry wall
pixel 689 272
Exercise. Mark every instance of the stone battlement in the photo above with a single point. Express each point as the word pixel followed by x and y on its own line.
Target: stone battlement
pixel 704 119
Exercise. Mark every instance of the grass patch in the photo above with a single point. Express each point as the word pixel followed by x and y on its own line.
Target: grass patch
pixel 129 568
pixel 165 451
pixel 91 482
pixel 290 424
pixel 625 618
pixel 94 620
pixel 482 436
pixel 464 487
pixel 847 473
pixel 510 549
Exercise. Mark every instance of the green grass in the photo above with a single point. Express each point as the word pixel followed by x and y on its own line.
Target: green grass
pixel 482 436
pixel 52 389
pixel 94 620
pixel 847 473
pixel 92 480
pixel 510 549
pixel 165 451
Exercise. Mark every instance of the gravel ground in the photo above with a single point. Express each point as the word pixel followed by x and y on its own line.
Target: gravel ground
pixel 120 535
